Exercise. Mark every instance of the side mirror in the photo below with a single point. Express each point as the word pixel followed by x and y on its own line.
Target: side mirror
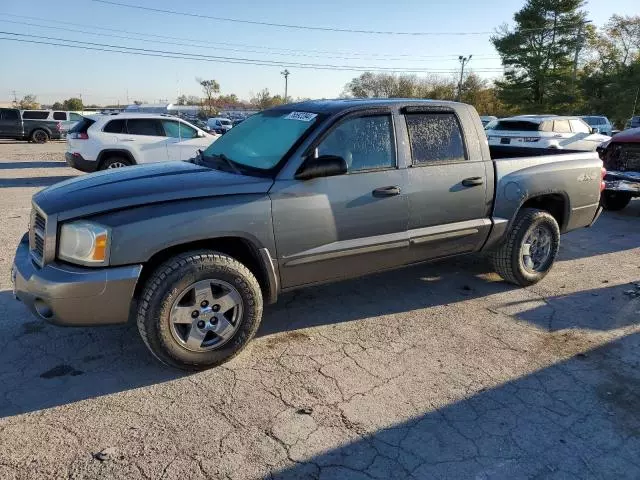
pixel 595 130
pixel 201 134
pixel 323 166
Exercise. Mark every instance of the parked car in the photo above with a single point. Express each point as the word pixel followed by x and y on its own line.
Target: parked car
pixel 621 157
pixel 294 196
pixel 633 122
pixel 99 142
pixel 12 125
pixel 600 123
pixel 542 135
pixel 486 119
pixel 220 125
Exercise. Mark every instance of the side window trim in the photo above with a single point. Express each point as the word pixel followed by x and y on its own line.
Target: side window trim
pixel 433 111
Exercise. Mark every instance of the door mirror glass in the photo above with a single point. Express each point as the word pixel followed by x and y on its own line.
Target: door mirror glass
pixel 595 130
pixel 201 134
pixel 322 166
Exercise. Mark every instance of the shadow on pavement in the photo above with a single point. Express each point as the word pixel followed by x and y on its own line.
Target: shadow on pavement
pixel 32 181
pixel 613 232
pixel 43 164
pixel 576 419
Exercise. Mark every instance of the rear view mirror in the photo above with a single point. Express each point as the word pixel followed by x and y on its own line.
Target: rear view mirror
pixel 201 134
pixel 323 166
pixel 595 130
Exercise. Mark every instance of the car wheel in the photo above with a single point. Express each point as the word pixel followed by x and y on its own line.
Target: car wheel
pixel 115 162
pixel 199 309
pixel 531 247
pixel 39 136
pixel 614 201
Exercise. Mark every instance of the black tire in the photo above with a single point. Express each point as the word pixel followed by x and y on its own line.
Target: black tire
pixel 163 288
pixel 614 201
pixel 39 136
pixel 115 162
pixel 508 259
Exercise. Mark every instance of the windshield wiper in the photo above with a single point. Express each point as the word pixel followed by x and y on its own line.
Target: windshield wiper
pixel 232 165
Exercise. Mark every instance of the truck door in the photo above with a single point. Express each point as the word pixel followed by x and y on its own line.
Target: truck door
pixel 449 198
pixel 345 225
pixel 10 123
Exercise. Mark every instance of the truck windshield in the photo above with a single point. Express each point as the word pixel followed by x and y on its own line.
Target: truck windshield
pixel 260 142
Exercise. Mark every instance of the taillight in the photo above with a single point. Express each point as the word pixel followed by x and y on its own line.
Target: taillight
pixel 80 136
pixel 603 173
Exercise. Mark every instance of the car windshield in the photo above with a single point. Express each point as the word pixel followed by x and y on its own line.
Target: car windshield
pixel 259 143
pixel 225 122
pixel 593 121
pixel 516 125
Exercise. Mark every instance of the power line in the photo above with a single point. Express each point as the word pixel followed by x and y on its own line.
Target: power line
pixel 214 58
pixel 305 27
pixel 332 53
pixel 241 50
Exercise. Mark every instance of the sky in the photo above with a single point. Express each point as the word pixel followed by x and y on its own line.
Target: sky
pixel 55 72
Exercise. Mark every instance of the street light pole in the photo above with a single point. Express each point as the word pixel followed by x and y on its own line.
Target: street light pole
pixel 463 61
pixel 286 74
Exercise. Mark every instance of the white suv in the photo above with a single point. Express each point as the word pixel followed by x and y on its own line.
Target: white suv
pixel 544 133
pixel 99 142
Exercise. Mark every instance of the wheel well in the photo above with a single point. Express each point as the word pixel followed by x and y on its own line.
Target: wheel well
pixel 39 128
pixel 554 203
pixel 104 155
pixel 236 247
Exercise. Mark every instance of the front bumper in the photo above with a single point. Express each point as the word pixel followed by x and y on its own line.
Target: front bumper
pixel 623 182
pixel 74 296
pixel 77 161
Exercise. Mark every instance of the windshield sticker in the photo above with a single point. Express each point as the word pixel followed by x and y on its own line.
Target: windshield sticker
pixel 302 116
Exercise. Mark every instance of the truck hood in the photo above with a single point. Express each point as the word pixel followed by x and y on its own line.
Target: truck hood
pixel 631 135
pixel 141 185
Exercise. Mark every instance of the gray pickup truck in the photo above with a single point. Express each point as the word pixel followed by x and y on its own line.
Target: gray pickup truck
pixel 13 126
pixel 294 196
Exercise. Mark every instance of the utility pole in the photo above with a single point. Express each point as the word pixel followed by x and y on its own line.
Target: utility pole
pixel 286 74
pixel 463 61
pixel 15 98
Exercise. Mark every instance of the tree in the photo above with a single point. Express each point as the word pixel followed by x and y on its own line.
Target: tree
pixel 209 88
pixel 57 106
pixel 72 104
pixel 137 102
pixel 181 100
pixel 264 99
pixel 538 55
pixel 28 102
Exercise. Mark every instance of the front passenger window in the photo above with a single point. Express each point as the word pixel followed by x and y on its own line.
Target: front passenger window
pixel 365 143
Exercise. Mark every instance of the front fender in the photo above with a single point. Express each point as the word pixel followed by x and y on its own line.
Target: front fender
pixel 141 232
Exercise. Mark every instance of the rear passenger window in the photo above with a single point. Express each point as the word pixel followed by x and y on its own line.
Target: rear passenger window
pixel 145 126
pixel 59 115
pixel 578 126
pixel 435 137
pixel 115 126
pixel 35 115
pixel 366 143
pixel 9 115
pixel 561 126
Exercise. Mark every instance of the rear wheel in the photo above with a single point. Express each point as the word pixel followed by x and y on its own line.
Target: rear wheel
pixel 115 162
pixel 39 136
pixel 613 201
pixel 530 248
pixel 199 309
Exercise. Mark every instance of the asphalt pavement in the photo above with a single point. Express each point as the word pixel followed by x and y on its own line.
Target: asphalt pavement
pixel 435 371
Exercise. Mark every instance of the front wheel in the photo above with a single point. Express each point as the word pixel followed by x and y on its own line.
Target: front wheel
pixel 199 309
pixel 614 201
pixel 531 247
pixel 115 162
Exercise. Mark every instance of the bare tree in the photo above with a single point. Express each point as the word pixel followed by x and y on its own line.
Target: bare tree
pixel 209 88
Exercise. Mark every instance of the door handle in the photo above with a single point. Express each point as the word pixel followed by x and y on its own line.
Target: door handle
pixel 472 181
pixel 386 191
pixel 128 140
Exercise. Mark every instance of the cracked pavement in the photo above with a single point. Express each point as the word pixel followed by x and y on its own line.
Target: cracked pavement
pixel 435 371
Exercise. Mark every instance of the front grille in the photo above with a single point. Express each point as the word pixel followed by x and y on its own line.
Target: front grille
pixel 622 157
pixel 37 235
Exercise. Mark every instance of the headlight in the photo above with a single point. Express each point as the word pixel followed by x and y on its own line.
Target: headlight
pixel 85 243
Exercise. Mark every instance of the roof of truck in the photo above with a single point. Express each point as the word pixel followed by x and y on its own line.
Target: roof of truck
pixel 338 105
